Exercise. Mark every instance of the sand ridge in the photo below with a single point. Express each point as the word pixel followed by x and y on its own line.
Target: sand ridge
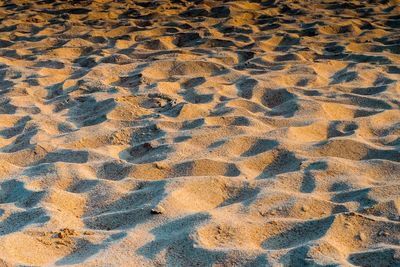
pixel 199 133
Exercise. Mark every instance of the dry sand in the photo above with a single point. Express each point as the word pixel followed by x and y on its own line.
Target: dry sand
pixel 199 133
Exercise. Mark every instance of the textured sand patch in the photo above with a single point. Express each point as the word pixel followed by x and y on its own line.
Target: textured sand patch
pixel 199 133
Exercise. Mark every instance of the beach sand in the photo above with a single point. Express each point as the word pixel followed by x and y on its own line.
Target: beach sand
pixel 199 133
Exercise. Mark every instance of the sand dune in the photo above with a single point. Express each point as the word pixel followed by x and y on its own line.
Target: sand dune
pixel 199 133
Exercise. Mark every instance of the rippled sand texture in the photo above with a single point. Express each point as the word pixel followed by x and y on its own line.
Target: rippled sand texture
pixel 199 133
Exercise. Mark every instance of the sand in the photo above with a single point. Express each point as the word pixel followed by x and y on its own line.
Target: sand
pixel 199 133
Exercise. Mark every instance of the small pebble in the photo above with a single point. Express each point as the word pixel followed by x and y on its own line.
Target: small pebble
pixel 383 233
pixel 161 165
pixel 158 210
pixel 309 257
pixel 88 233
pixel 362 236
pixel 62 235
pixel 147 145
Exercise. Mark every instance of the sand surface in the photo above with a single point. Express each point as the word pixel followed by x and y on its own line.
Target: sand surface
pixel 199 133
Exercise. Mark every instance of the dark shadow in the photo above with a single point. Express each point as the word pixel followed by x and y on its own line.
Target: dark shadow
pixel 221 110
pixel 86 62
pixel 86 86
pixel 13 191
pixel 240 121
pixel 189 92
pixel 333 48
pixel 174 238
pixel 85 249
pixel 87 111
pixel 384 154
pixel 376 257
pixel 246 195
pixel 22 141
pixel 281 102
pixel 231 170
pixel 194 13
pixel 113 170
pixel 193 82
pixel 133 80
pixel 360 58
pixel 217 144
pixel 146 153
pixel 308 185
pixel 183 138
pixel 344 76
pixel 360 196
pixel 146 134
pixel 366 101
pixel 287 57
pixel 303 82
pixel 365 112
pixel 220 12
pixel 5 87
pixel 275 97
pixel 40 170
pixel 312 93
pixel 339 186
pixel 65 155
pixel 189 167
pixel 19 220
pixel 382 80
pixel 297 257
pixel 341 128
pixel 189 125
pixel 245 87
pixel 126 212
pixel 373 90
pixel 6 107
pixel 284 162
pixel 286 43
pixel 83 186
pixel 188 39
pixel 299 233
pixel 260 146
pixel 54 91
pixel 220 43
pixel 53 64
pixel 261 260
pixel 183 169
pixel 17 129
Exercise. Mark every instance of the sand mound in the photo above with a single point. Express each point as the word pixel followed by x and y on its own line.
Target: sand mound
pixel 199 133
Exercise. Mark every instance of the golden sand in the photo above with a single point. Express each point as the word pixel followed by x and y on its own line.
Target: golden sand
pixel 199 133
